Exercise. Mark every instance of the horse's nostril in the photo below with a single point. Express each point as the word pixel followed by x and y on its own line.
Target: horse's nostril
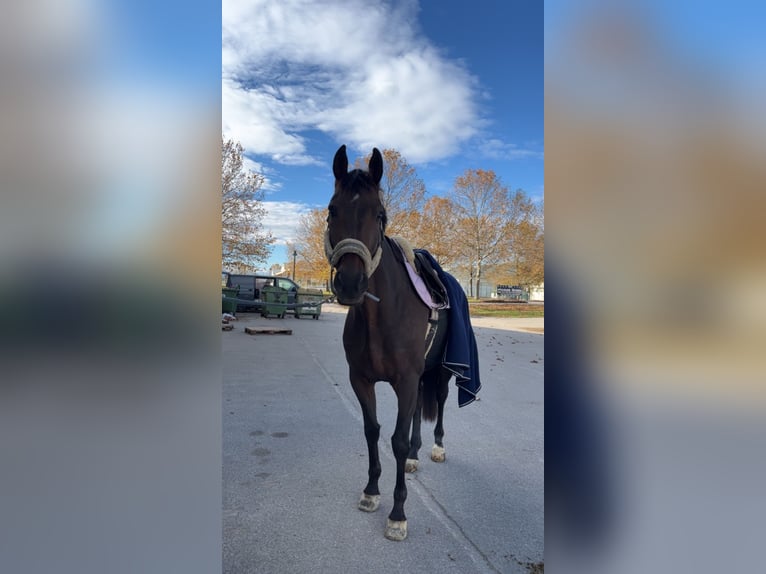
pixel 351 282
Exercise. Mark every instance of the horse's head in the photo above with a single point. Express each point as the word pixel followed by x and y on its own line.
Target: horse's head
pixel 356 223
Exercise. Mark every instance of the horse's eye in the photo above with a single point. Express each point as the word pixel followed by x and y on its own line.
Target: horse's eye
pixel 381 215
pixel 332 211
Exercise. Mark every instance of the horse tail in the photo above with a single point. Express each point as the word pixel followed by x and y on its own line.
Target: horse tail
pixel 430 381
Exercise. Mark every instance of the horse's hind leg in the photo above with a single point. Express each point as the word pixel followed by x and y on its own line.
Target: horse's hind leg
pixel 442 391
pixel 415 441
pixel 365 392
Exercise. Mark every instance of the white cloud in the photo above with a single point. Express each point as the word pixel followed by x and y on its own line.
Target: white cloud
pixel 269 185
pixel 497 149
pixel 251 165
pixel 257 120
pixel 352 69
pixel 282 219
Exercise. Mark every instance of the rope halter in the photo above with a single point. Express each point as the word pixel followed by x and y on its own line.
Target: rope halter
pixel 354 246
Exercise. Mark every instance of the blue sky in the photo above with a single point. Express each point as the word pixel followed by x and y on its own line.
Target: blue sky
pixel 451 85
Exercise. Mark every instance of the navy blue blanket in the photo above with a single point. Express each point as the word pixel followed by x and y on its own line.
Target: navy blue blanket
pixel 461 356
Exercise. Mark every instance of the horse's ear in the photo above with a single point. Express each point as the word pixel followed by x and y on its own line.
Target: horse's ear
pixel 376 166
pixel 340 163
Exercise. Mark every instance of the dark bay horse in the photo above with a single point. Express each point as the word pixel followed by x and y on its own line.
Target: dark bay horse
pixel 385 331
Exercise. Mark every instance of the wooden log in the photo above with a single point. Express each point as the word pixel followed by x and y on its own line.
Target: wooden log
pixel 267 331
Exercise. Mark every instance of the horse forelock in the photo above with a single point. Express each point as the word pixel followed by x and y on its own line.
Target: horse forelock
pixel 355 183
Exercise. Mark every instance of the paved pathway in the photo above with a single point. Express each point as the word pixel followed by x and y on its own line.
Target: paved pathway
pixel 295 459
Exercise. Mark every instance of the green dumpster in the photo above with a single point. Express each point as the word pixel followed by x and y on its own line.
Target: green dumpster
pixel 229 294
pixel 308 302
pixel 274 301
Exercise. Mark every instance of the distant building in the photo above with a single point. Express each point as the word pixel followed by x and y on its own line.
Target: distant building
pixel 278 270
pixel 537 293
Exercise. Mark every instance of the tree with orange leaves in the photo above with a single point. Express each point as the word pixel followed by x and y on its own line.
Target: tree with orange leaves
pixel 481 204
pixel 403 193
pixel 310 244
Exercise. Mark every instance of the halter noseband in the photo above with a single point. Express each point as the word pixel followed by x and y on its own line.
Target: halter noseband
pixel 355 247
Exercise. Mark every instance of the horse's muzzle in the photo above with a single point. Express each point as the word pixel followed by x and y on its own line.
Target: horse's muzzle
pixel 350 286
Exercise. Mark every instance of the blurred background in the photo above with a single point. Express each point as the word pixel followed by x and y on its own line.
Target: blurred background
pixel 655 197
pixel 109 237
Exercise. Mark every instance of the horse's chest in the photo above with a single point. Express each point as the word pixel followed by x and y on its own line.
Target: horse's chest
pixel 373 356
pixel 379 356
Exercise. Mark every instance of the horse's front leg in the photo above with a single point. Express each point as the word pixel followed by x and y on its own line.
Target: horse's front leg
pixel 365 392
pixel 415 441
pixel 407 394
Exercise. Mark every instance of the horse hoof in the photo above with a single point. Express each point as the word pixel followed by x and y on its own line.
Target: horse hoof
pixel 369 502
pixel 437 453
pixel 396 530
pixel 411 465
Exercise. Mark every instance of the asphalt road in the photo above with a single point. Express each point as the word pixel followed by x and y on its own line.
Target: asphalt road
pixel 295 459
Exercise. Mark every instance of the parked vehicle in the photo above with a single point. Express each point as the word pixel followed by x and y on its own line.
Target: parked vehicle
pixel 512 293
pixel 249 295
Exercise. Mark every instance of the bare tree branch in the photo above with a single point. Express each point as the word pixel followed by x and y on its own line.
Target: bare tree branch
pixel 244 243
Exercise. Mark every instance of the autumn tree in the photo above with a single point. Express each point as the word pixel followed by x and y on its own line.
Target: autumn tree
pixel 436 230
pixel 481 203
pixel 244 243
pixel 310 244
pixel 403 193
pixel 303 271
pixel 530 258
pixel 528 247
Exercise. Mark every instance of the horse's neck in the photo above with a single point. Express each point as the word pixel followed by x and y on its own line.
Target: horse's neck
pixel 383 285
